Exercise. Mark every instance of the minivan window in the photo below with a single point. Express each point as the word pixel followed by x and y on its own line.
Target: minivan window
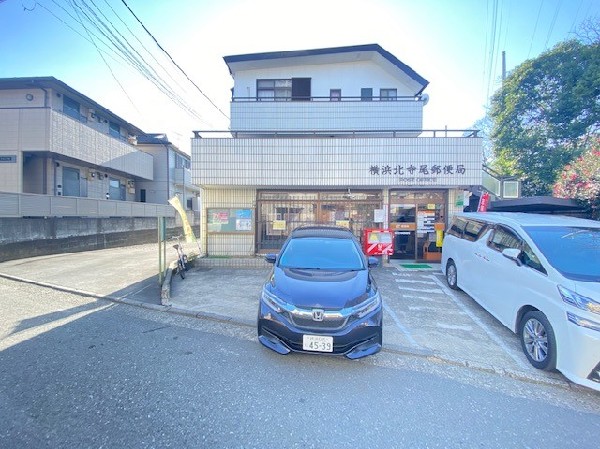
pixel 457 227
pixel 503 238
pixel 321 254
pixel 573 251
pixel 474 230
pixel 529 259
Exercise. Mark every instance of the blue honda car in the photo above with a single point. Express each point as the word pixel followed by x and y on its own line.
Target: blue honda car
pixel 320 296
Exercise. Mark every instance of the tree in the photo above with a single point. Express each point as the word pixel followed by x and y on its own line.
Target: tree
pixel 545 113
pixel 581 180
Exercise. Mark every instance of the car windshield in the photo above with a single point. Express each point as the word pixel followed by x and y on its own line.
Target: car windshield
pixel 574 251
pixel 321 254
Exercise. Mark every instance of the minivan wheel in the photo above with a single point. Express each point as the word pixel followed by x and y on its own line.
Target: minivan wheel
pixel 451 275
pixel 538 341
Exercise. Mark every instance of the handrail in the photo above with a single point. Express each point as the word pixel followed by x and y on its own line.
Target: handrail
pixel 14 204
pixel 465 133
pixel 328 99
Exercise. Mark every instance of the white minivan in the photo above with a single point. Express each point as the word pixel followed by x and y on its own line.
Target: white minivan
pixel 540 276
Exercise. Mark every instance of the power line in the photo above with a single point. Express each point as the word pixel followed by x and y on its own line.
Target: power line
pixel 552 24
pixel 172 60
pixel 123 46
pixel 105 62
pixel 537 19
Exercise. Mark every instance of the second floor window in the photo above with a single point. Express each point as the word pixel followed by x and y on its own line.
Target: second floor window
pixel 366 94
pixel 181 162
pixel 114 130
pixel 71 108
pixel 335 94
pixel 388 94
pixel 274 89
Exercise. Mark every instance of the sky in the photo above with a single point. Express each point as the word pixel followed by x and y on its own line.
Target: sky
pixel 159 64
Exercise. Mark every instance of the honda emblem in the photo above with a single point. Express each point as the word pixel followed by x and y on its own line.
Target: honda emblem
pixel 317 314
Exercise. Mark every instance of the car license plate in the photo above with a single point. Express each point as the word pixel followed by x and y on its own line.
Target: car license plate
pixel 317 343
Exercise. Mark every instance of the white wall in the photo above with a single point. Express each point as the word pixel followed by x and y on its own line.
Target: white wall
pixel 317 162
pixel 349 77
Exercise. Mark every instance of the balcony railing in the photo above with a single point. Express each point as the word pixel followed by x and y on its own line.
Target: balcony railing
pixel 438 133
pixel 325 114
pixel 33 205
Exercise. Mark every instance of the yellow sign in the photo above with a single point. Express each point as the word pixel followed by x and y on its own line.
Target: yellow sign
pixel 187 229
pixel 278 225
pixel 343 223
pixel 439 240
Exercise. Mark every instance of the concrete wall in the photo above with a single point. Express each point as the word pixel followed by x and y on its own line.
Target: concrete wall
pixel 29 237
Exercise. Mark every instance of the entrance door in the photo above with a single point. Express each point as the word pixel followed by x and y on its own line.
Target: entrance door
pixel 413 217
pixel 71 182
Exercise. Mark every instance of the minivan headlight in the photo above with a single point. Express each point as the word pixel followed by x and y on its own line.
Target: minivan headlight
pixel 273 301
pixel 368 306
pixel 579 301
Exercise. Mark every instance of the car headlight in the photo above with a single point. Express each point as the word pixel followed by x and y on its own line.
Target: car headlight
pixel 579 301
pixel 372 303
pixel 273 301
pixel 583 322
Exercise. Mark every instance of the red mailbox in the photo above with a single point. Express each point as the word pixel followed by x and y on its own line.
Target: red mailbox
pixel 378 242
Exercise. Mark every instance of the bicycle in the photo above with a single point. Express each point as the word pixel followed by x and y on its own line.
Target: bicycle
pixel 182 260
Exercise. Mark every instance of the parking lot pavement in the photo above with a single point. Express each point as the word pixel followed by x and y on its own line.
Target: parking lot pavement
pixel 422 316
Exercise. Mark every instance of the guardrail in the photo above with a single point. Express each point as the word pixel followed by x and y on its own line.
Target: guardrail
pixel 34 205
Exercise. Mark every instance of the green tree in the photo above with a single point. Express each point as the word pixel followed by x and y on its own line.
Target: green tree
pixel 581 180
pixel 545 113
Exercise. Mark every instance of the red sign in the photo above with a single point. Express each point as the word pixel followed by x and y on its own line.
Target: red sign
pixel 378 242
pixel 484 202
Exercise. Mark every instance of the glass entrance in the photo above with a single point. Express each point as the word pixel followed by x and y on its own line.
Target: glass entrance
pixel 279 212
pixel 413 218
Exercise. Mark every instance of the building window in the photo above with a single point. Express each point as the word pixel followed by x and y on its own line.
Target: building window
pixel 114 130
pixel 366 94
pixel 301 89
pixel 335 94
pixel 279 90
pixel 71 108
pixel 388 94
pixel 181 162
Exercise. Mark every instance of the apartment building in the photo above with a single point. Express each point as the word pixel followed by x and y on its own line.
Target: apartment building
pixel 57 142
pixel 334 136
pixel 172 173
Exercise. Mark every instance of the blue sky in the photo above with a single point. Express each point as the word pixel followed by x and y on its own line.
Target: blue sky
pixel 455 44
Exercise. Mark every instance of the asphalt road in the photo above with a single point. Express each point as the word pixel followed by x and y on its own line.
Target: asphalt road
pixel 81 372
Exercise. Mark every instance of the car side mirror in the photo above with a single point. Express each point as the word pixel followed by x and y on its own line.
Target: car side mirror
pixel 373 262
pixel 271 258
pixel 513 254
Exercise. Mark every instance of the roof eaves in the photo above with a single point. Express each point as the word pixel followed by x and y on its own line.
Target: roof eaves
pixel 323 51
pixel 51 82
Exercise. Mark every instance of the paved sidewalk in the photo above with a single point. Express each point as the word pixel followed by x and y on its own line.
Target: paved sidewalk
pixel 422 317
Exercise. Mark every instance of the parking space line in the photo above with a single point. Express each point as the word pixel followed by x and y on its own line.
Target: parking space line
pixel 477 321
pixel 420 290
pixel 405 331
pixel 412 281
